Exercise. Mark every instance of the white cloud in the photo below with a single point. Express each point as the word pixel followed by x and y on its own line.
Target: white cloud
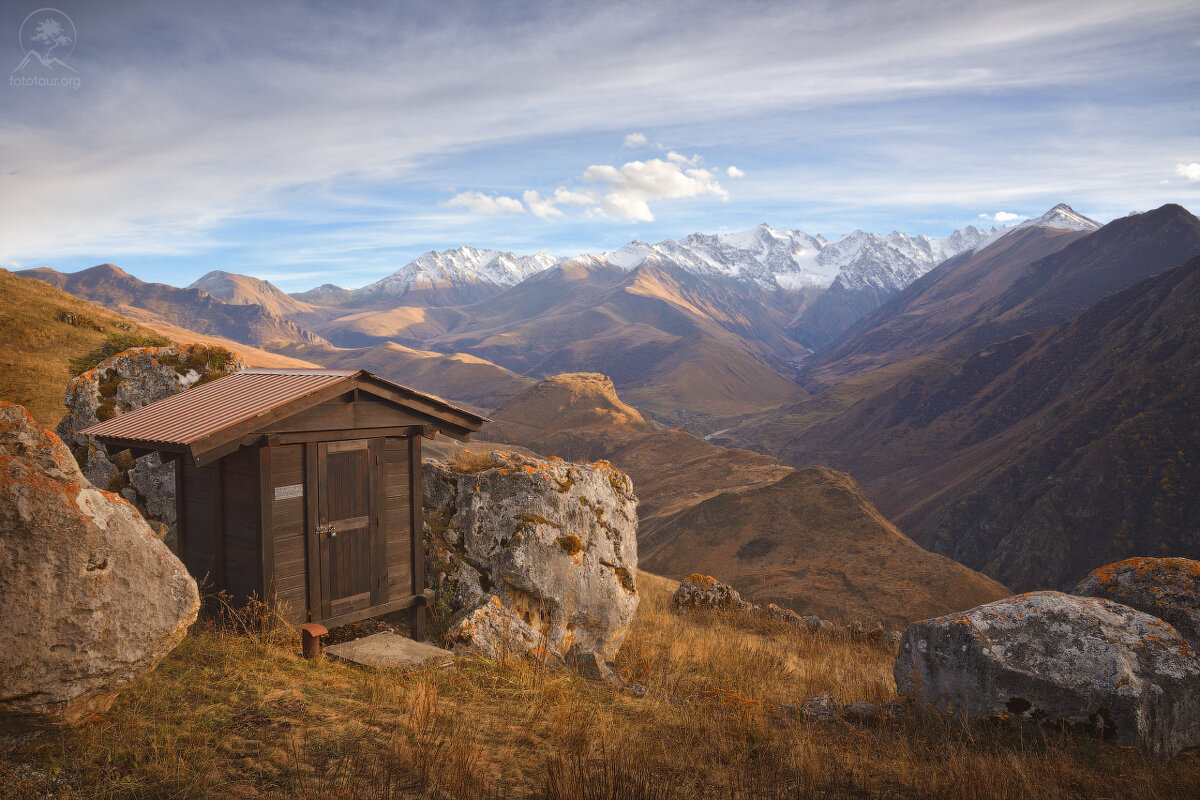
pixel 734 172
pixel 1003 217
pixel 636 140
pixel 1190 172
pixel 623 192
pixel 569 197
pixel 682 160
pixel 629 190
pixel 485 204
pixel 540 206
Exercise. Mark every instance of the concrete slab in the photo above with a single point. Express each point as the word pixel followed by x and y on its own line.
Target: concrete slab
pixel 390 650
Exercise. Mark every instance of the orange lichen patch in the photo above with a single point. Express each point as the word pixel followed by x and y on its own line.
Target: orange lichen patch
pixel 1142 565
pixel 15 473
pixel 703 581
pixel 570 544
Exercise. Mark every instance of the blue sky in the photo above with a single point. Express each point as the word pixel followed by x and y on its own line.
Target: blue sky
pixel 311 143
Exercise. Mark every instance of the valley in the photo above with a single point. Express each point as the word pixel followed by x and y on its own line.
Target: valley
pixel 978 389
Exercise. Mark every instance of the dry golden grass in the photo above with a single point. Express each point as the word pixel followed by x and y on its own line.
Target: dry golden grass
pixel 41 330
pixel 471 461
pixel 240 716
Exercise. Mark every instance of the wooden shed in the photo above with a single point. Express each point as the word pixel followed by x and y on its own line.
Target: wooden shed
pixel 299 486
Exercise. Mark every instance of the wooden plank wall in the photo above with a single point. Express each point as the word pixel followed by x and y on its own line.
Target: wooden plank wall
pixel 199 523
pixel 241 515
pixel 397 491
pixel 287 518
pixel 346 414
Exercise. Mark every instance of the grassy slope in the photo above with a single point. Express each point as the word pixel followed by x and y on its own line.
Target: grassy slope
pixel 38 346
pixel 231 717
pixel 814 543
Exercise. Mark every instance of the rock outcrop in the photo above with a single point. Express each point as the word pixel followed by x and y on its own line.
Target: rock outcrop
pixel 707 593
pixel 1056 657
pixel 534 556
pixel 89 596
pixel 129 380
pixel 1167 588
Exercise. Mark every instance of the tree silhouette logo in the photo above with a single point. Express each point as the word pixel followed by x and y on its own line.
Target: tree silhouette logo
pixel 47 37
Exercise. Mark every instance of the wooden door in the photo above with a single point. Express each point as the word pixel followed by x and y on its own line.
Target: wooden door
pixel 351 553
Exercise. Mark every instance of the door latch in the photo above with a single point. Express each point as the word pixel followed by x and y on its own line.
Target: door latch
pixel 327 530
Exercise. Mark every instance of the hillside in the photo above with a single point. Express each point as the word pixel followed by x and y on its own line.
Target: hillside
pixel 253 356
pixel 742 515
pixel 243 290
pixel 1114 398
pixel 719 720
pixel 936 305
pixel 813 542
pixel 581 417
pixel 924 436
pixel 193 309
pixel 43 329
pixel 693 354
pixel 576 416
pixel 457 376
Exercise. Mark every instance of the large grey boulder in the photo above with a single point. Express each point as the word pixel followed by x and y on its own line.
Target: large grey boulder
pixel 1056 657
pixel 89 596
pixel 1167 588
pixel 127 381
pixel 535 555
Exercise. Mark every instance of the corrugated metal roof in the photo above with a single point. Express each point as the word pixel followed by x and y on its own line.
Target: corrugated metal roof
pixel 188 417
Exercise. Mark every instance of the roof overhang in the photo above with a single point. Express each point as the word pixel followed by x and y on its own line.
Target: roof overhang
pixel 144 429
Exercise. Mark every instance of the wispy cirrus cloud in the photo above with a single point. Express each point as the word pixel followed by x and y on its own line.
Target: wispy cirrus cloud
pixel 194 135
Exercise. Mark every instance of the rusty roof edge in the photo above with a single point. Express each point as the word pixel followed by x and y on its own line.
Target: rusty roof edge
pixel 295 405
pixel 450 418
pixel 90 430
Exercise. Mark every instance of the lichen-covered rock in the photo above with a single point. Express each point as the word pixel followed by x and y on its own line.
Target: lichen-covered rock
pixel 127 381
pixel 820 708
pixel 533 554
pixel 90 598
pixel 1167 588
pixel 1051 656
pixel 705 591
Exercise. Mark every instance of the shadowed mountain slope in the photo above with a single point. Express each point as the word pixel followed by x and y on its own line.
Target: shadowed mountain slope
pixel 1003 454
pixel 936 305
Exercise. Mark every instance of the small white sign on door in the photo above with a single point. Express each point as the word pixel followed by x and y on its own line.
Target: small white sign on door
pixel 289 492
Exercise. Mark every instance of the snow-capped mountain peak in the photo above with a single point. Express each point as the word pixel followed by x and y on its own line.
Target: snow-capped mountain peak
pixel 1062 217
pixel 460 267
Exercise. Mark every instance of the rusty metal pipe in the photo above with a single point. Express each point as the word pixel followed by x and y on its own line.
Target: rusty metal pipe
pixel 310 639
